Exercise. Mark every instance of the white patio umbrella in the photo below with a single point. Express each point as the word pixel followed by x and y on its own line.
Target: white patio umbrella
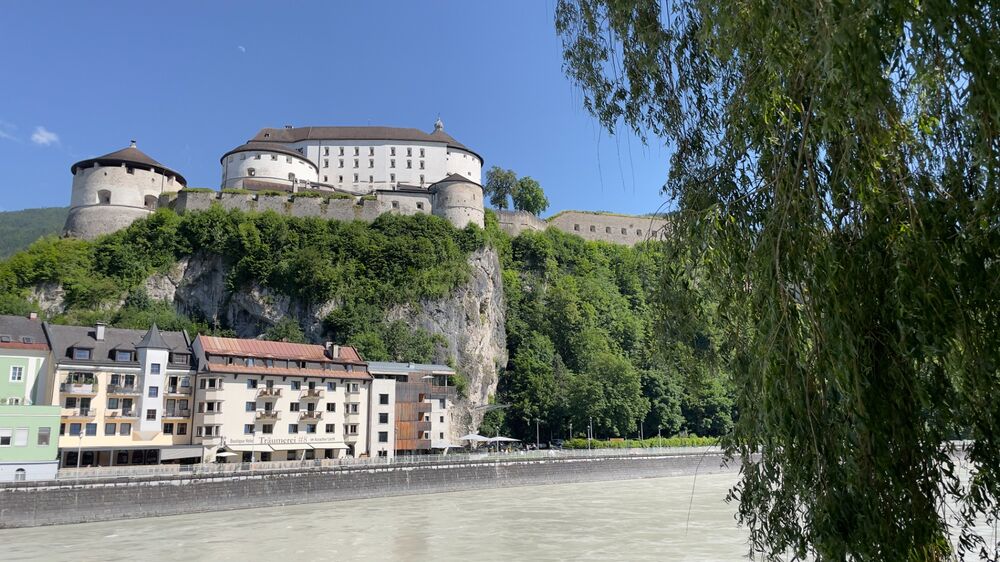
pixel 474 437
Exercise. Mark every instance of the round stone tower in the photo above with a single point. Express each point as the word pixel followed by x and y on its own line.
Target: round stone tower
pixel 112 191
pixel 267 166
pixel 460 200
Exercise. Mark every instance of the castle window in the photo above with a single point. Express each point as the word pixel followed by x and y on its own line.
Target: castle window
pixel 593 228
pixel 392 177
pixel 288 159
pixel 395 204
pixel 392 151
pixel 421 153
pixel 326 151
pixel 357 151
pixel 624 231
pixel 409 164
pixel 291 177
pixel 355 162
pixel 392 163
pixel 638 233
pixel 420 206
pixel 170 180
pixel 104 197
pixel 266 135
pixel 251 172
pixel 129 170
pixel 371 179
pixel 324 179
pixel 371 162
pixel 151 202
pixel 274 157
pixel 341 163
pixel 421 179
pixel 355 178
pixel 421 164
pixel 409 151
pixel 341 151
pixel 326 162
pixel 607 229
pixel 371 151
pixel 340 179
pixel 256 156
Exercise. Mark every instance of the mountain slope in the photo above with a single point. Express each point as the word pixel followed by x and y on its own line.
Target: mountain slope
pixel 18 229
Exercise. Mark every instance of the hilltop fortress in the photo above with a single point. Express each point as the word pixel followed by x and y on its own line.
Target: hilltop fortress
pixel 339 173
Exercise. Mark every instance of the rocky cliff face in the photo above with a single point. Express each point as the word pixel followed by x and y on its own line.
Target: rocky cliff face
pixel 471 319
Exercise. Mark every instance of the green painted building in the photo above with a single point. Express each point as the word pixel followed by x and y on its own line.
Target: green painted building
pixel 29 426
pixel 29 442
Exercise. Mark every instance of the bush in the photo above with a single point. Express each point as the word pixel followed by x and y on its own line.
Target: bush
pixel 692 441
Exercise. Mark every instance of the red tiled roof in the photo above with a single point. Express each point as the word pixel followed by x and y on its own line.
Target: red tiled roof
pixel 265 349
pixel 279 371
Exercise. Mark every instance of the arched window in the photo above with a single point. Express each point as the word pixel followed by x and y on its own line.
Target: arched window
pixel 104 197
pixel 291 177
pixel 20 475
pixel 151 202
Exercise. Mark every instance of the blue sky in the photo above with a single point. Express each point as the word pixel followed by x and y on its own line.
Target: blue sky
pixel 190 81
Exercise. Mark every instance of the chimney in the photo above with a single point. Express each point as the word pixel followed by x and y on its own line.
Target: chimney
pixel 336 352
pixel 332 351
pixel 32 316
pixel 99 331
pixel 132 143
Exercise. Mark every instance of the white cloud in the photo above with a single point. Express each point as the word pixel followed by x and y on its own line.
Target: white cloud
pixel 7 131
pixel 43 136
pixel 241 48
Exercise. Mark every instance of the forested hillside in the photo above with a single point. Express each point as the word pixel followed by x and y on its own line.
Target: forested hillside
pixel 583 319
pixel 18 229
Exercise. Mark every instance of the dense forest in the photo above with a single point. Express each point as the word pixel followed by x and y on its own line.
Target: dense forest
pixel 18 229
pixel 585 333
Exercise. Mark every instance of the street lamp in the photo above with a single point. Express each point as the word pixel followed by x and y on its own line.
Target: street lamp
pixel 537 440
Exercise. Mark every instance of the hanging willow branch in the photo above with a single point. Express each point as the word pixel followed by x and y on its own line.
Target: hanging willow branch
pixel 835 166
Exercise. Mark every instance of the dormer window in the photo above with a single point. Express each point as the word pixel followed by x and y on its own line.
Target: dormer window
pixel 5 339
pixel 27 339
pixel 82 353
pixel 267 135
pixel 180 358
pixel 123 355
pixel 250 362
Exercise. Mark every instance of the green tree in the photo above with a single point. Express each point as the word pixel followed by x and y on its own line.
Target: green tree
pixel 500 186
pixel 528 196
pixel 835 169
pixel 287 329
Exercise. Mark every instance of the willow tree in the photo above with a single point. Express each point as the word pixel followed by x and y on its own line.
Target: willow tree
pixel 834 165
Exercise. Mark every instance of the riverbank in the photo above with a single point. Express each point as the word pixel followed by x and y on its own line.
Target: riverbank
pixel 31 504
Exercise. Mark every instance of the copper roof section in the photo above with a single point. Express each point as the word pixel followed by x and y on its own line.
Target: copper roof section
pixel 128 155
pixel 265 349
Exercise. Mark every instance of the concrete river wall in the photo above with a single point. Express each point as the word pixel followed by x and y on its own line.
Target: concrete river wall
pixel 29 504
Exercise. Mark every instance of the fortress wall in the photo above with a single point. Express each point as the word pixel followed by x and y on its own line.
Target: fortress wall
pixel 516 222
pixel 332 209
pixel 606 227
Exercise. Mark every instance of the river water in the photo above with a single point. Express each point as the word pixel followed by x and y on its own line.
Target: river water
pixel 680 518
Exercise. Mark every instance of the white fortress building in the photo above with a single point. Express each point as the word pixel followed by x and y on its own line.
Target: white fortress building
pixel 337 173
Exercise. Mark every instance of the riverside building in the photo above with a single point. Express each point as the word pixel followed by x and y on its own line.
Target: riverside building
pixel 28 440
pixel 125 395
pixel 268 401
pixel 423 405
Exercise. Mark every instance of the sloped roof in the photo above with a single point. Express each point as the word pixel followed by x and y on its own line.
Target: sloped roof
pixel 23 333
pixel 153 339
pixel 297 134
pixel 128 155
pixel 455 177
pixel 393 367
pixel 254 146
pixel 265 349
pixel 64 338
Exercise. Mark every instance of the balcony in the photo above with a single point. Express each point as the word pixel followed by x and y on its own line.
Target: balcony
pixel 79 412
pixel 312 393
pixel 179 390
pixel 77 388
pixel 123 389
pixel 121 414
pixel 314 415
pixel 178 413
pixel 268 392
pixel 267 415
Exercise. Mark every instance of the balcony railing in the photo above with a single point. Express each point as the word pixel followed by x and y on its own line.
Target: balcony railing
pixel 312 393
pixel 267 415
pixel 178 414
pixel 311 416
pixel 123 389
pixel 121 414
pixel 79 412
pixel 179 390
pixel 262 392
pixel 77 388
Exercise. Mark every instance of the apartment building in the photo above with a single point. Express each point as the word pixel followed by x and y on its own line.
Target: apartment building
pixel 423 402
pixel 27 425
pixel 125 395
pixel 268 401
